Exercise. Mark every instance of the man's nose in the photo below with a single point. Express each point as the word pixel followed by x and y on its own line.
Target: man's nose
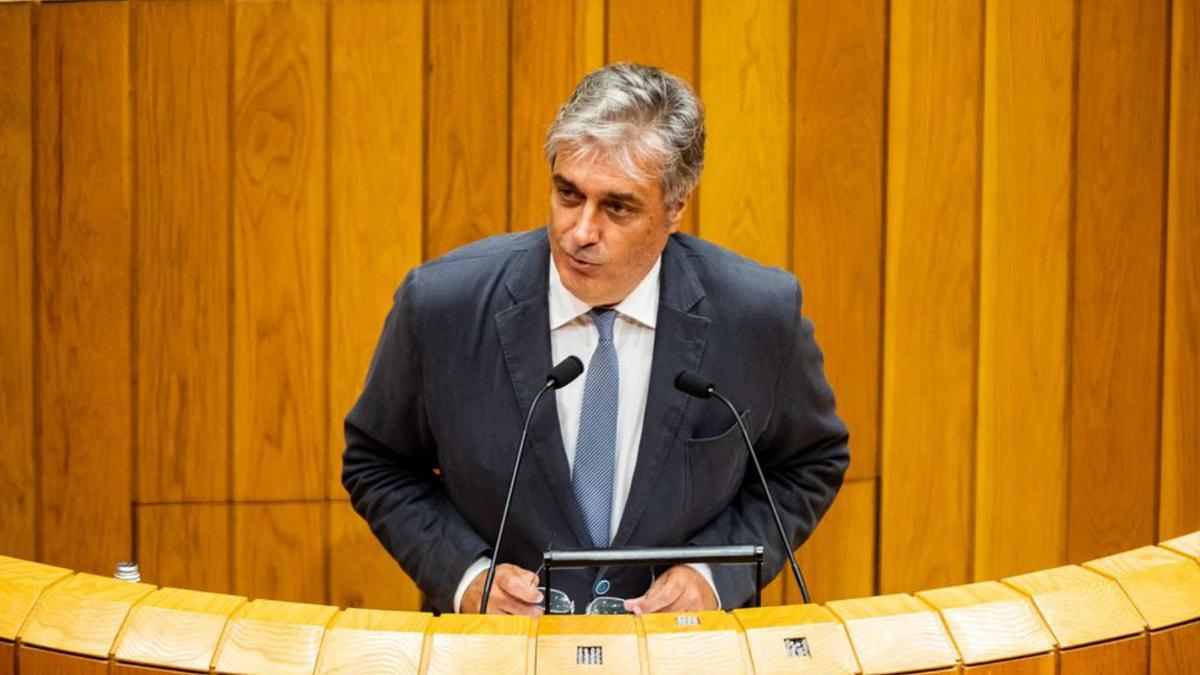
pixel 587 230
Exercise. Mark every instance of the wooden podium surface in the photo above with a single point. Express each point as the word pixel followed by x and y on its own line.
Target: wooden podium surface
pixel 1133 612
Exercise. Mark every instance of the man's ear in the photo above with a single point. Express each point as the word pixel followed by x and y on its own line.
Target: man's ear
pixel 675 213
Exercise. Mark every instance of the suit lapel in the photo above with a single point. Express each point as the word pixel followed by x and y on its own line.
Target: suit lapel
pixel 525 342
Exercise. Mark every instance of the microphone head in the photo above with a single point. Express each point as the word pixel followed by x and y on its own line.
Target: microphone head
pixel 565 372
pixel 694 384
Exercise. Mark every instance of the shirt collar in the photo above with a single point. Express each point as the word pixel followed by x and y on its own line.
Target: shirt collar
pixel 641 305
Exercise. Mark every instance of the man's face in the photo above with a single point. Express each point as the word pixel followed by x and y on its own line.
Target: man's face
pixel 606 229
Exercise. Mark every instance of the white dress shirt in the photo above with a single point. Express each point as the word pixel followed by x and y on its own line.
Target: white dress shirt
pixel 573 333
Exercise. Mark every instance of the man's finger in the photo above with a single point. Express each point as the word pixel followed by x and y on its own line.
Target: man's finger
pixel 507 604
pixel 519 587
pixel 664 592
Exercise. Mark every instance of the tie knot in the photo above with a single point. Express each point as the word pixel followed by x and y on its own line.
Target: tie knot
pixel 603 318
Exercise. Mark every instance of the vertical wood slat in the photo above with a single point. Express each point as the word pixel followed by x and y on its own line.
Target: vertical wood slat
pixel 361 572
pixel 838 197
pixel 635 33
pixel 838 561
pixel 744 203
pixel 375 187
pixel 467 147
pixel 930 323
pixel 181 111
pixel 280 309
pixel 17 479
pixel 82 159
pixel 1179 510
pixel 744 62
pixel 551 47
pixel 1020 486
pixel 1117 285
pixel 279 551
pixel 185 545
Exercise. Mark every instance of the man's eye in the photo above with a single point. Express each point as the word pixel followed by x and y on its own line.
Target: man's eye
pixel 568 195
pixel 618 209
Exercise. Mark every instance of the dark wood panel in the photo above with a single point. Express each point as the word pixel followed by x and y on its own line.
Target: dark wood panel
pixel 1176 649
pixel 1042 664
pixel 930 323
pixel 1117 303
pixel 1116 657
pixel 280 551
pixel 280 244
pixel 361 572
pixel 838 195
pixel 34 661
pixel 8 658
pixel 181 111
pixel 17 480
pixel 185 545
pixel 467 147
pixel 82 159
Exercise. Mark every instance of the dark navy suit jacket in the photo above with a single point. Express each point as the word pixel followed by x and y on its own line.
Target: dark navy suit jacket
pixel 431 441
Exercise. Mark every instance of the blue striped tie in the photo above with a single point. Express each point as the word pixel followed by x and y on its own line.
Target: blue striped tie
pixel 595 450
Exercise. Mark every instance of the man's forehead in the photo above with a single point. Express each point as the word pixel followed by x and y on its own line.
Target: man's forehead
pixel 598 172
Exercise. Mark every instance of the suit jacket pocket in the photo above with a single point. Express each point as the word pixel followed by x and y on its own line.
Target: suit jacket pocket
pixel 716 466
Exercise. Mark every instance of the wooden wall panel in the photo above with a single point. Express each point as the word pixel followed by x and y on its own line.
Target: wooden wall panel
pixel 181 205
pixel 554 44
pixel 185 545
pixel 361 572
pixel 82 159
pixel 745 63
pixel 635 33
pixel 1179 511
pixel 279 551
pixel 467 181
pixel 1021 463
pixel 930 323
pixel 375 187
pixel 838 561
pixel 280 247
pixel 838 197
pixel 1117 303
pixel 17 478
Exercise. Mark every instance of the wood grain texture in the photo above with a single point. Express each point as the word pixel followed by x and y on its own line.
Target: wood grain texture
pixel 1021 457
pixel 1179 501
pixel 82 615
pixel 838 561
pixel 33 661
pixel 280 248
pixel 1117 303
pixel 17 480
pixel 279 551
pixel 373 641
pixel 375 187
pixel 1163 585
pixel 1078 605
pixel 560 637
pixel 185 545
pixel 767 629
pixel 714 643
pixel 82 160
pixel 930 321
pixel 181 170
pixel 468 129
pixel 1175 650
pixel 745 64
pixel 1042 664
pixel 267 636
pixel 635 34
pixel 838 195
pixel 989 622
pixel 175 628
pixel 554 44
pixel 21 585
pixel 895 633
pixel 1118 657
pixel 8 658
pixel 361 572
pixel 466 643
pixel 1188 544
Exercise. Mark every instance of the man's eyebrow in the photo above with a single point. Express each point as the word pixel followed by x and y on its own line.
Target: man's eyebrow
pixel 625 197
pixel 563 182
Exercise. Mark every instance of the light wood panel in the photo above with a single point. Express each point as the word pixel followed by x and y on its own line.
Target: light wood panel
pixel 279 551
pixel 989 621
pixel 1021 460
pixel 466 167
pixel 838 196
pixel 186 545
pixel 82 614
pixel 376 182
pixel 838 561
pixel 267 636
pixel 463 643
pixel 1079 606
pixel 895 633
pixel 181 172
pixel 1117 303
pixel 688 642
pixel 768 630
pixel 17 478
pixel 21 585
pixel 1179 501
pixel 559 639
pixel 930 318
pixel 280 247
pixel 361 572
pixel 364 640
pixel 554 44
pixel 1163 585
pixel 745 66
pixel 635 33
pixel 175 628
pixel 82 160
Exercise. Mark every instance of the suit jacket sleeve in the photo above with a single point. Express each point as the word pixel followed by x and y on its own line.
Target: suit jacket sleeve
pixel 804 455
pixel 390 459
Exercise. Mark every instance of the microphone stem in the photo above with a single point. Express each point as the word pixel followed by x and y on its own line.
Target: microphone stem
pixel 770 500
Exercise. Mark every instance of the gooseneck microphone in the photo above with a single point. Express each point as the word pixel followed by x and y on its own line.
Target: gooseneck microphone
pixel 696 385
pixel 560 376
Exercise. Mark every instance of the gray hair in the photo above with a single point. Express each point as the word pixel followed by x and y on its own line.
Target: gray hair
pixel 634 114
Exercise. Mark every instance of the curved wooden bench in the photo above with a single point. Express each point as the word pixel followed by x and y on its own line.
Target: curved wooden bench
pixel 1137 611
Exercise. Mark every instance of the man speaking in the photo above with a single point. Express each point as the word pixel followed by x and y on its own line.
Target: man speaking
pixel 621 458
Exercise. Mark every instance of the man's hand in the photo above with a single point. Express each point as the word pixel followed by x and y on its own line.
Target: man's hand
pixel 514 591
pixel 679 589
